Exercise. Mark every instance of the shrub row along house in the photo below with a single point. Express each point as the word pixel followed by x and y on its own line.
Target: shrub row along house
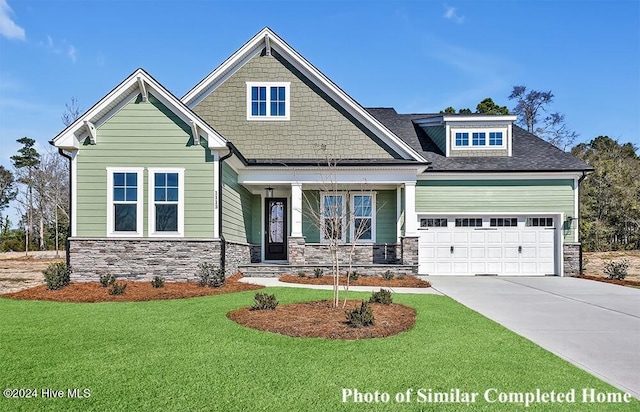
pixel 235 171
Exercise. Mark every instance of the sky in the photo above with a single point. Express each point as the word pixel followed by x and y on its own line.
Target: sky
pixel 415 56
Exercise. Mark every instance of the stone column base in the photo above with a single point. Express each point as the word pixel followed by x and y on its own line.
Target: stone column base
pixel 296 247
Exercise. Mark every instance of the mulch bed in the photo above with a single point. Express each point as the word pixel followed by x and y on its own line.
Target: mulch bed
pixel 319 319
pixel 406 282
pixel 135 292
pixel 614 281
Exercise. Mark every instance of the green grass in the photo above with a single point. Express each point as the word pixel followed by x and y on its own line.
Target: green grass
pixel 186 355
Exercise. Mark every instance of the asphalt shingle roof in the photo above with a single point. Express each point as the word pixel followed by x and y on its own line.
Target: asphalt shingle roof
pixel 530 153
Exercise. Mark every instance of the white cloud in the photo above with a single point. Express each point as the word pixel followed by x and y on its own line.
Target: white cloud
pixel 451 13
pixel 60 48
pixel 72 53
pixel 8 28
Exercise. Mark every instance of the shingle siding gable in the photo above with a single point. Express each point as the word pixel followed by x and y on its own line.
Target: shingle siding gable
pixel 315 119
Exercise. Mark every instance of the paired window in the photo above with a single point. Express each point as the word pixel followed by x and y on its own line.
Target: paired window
pixel 125 202
pixel 362 224
pixel 268 101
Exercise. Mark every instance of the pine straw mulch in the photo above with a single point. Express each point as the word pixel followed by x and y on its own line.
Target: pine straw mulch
pixel 89 292
pixel 624 282
pixel 406 282
pixel 319 319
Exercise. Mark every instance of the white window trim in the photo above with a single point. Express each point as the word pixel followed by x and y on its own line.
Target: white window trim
pixel 343 238
pixel 139 202
pixel 353 217
pixel 486 146
pixel 151 202
pixel 269 117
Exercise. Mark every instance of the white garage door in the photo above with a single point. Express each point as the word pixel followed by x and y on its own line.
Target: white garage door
pixel 487 246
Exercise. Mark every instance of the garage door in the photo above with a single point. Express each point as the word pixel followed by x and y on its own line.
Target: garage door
pixel 523 245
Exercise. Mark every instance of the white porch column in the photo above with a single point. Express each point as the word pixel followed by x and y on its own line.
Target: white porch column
pixel 410 217
pixel 296 210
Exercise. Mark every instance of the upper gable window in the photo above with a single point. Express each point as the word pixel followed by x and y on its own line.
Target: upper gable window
pixel 268 100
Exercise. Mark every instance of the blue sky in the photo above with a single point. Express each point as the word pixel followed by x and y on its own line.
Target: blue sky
pixel 414 56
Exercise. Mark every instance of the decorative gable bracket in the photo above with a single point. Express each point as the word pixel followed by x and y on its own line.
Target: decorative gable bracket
pixel 93 133
pixel 143 89
pixel 194 132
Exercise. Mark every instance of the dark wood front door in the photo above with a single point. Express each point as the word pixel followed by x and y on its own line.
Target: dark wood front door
pixel 275 231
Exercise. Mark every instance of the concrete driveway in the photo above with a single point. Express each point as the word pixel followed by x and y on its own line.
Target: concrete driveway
pixel 594 325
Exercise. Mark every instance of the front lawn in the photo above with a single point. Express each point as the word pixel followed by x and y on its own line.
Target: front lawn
pixel 186 355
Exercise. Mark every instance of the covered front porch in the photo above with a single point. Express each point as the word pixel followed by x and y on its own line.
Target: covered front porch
pixel 289 235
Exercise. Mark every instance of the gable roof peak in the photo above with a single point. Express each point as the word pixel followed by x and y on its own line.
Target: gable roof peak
pixel 267 38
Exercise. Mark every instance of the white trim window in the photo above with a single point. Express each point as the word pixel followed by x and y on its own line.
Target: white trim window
pixel 268 100
pixel 166 202
pixel 332 217
pixel 124 201
pixel 474 138
pixel 363 222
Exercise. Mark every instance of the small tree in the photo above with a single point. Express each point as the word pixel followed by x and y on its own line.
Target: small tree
pixel 331 215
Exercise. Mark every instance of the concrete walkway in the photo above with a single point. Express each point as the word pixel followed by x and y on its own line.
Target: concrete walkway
pixel 593 325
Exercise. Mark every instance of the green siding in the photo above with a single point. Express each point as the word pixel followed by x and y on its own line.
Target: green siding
pixel 479 196
pixel 256 219
pixel 144 135
pixel 386 229
pixel 314 118
pixel 237 208
pixel 310 201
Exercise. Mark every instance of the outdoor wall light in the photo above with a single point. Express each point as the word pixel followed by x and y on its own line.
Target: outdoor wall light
pixel 269 191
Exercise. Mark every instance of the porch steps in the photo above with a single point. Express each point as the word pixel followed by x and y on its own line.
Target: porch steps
pixel 267 270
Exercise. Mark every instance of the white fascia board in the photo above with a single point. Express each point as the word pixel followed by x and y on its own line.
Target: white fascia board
pixel 256 176
pixel 480 119
pixel 253 46
pixel 477 175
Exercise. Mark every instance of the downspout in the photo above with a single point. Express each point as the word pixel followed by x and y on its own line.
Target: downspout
pixel 66 241
pixel 223 246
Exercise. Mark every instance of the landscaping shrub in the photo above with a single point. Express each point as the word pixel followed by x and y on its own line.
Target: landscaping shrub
pixel 57 276
pixel 382 296
pixel 400 276
pixel 157 282
pixel 107 280
pixel 302 274
pixel 264 302
pixel 360 317
pixel 210 275
pixel 616 270
pixel 117 289
pixel 318 272
pixel 388 275
pixel 354 275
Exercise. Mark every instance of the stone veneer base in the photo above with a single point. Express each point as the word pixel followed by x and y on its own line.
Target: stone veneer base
pixel 141 259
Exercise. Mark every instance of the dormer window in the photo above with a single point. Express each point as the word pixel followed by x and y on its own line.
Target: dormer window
pixel 476 139
pixel 268 100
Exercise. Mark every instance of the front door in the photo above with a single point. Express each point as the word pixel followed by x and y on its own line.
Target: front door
pixel 275 231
